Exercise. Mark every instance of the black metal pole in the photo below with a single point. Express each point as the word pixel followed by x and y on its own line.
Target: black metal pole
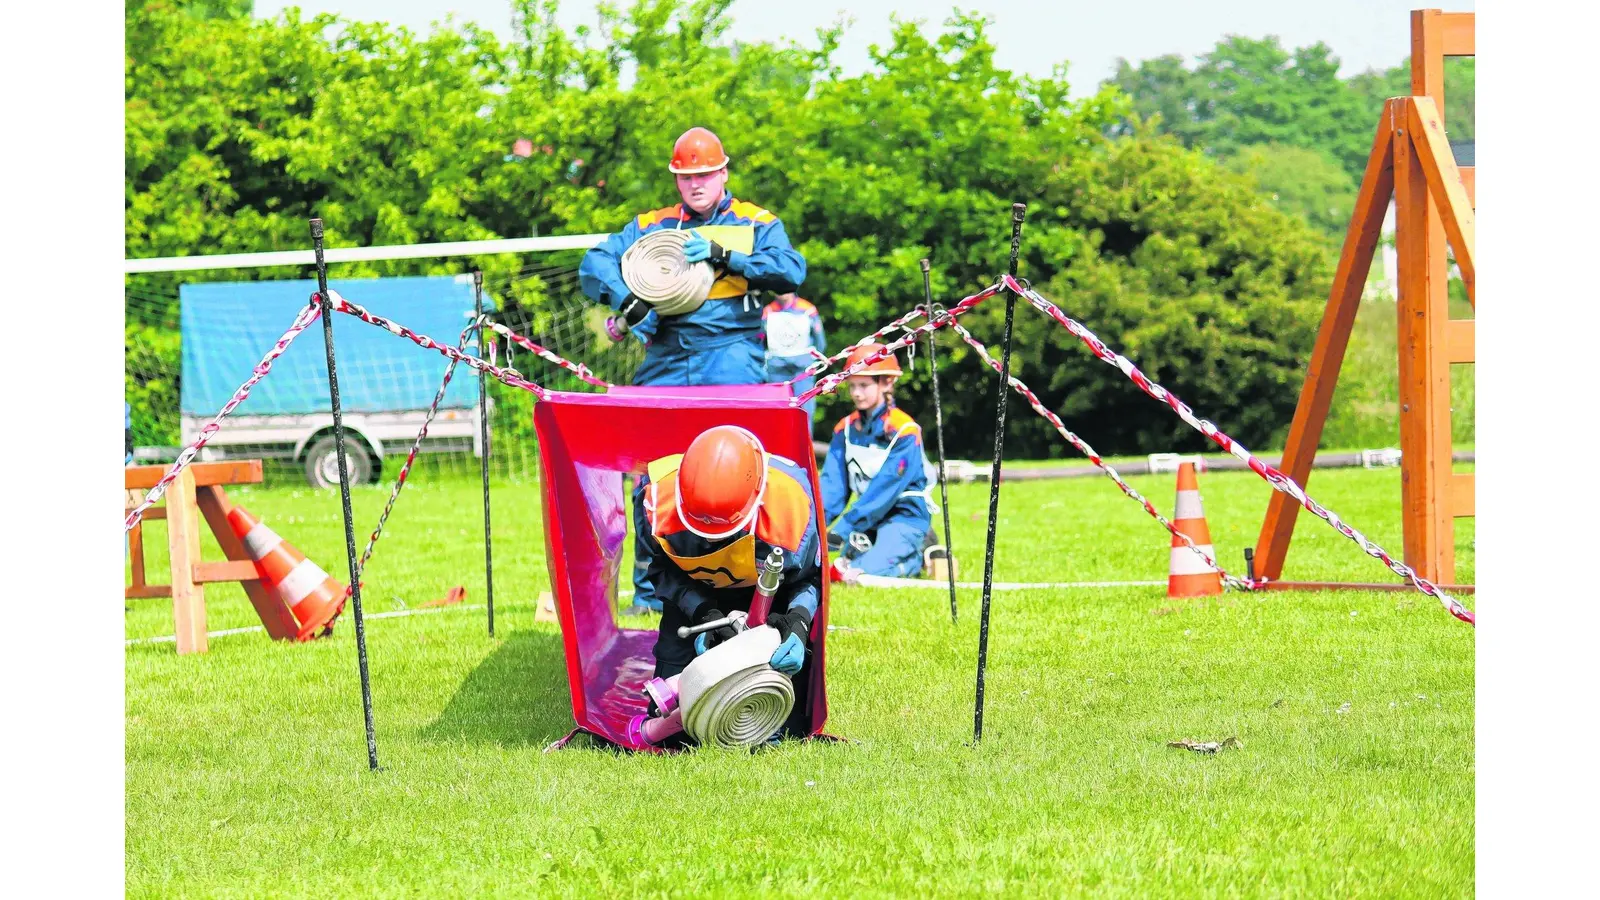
pixel 938 427
pixel 483 427
pixel 1018 212
pixel 344 495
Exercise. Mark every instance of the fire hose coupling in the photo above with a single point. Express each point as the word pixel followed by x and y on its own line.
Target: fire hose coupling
pixel 734 620
pixel 664 691
pixel 645 730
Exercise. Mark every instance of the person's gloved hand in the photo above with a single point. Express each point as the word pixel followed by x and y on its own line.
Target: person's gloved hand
pixel 632 313
pixel 835 542
pixel 793 627
pixel 708 639
pixel 700 248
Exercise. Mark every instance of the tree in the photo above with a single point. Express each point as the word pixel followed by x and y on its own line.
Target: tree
pixel 1460 86
pixel 1301 182
pixel 238 130
pixel 1247 92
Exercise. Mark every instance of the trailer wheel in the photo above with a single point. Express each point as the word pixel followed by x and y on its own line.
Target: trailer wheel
pixel 322 462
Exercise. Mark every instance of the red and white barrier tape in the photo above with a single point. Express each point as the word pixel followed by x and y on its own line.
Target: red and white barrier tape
pixel 1086 450
pixel 832 382
pixel 505 376
pixel 301 322
pixel 823 361
pixel 1272 476
pixel 405 469
pixel 578 369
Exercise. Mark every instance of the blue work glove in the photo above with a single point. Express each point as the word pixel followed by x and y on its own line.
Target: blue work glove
pixel 793 628
pixel 700 248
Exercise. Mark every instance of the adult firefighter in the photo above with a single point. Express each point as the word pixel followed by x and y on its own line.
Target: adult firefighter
pixel 720 340
pixel 876 456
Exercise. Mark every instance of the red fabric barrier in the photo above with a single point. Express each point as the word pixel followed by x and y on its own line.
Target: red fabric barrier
pixel 586 443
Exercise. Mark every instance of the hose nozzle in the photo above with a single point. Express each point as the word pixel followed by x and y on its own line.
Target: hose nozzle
pixel 768 580
pixel 771 572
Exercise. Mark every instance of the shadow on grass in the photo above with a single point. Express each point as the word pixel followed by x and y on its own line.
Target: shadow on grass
pixel 517 696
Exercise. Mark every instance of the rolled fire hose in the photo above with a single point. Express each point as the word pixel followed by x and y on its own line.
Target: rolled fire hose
pixel 731 696
pixel 656 273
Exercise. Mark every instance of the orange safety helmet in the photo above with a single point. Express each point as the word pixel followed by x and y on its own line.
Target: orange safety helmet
pixel 697 151
pixel 720 482
pixel 889 365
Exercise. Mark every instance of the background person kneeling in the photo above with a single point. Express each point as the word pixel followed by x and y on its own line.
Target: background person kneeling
pixel 876 455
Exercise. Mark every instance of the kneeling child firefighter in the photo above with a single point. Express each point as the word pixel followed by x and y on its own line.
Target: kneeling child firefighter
pixel 714 516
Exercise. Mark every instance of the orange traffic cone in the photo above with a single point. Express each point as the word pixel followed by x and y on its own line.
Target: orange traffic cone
pixel 1187 574
pixel 313 597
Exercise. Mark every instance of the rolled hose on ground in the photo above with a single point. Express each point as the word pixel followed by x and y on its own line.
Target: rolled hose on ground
pixel 655 271
pixel 731 697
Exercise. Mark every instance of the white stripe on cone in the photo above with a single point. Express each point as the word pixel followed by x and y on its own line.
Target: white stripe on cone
pixel 1187 562
pixel 1188 506
pixel 304 578
pixel 260 540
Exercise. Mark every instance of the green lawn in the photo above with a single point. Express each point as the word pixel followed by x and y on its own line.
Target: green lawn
pixel 246 767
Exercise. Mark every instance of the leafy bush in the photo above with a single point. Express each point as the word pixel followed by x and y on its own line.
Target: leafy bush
pixel 239 129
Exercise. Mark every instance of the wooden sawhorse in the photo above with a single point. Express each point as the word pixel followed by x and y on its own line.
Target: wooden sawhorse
pixel 197 492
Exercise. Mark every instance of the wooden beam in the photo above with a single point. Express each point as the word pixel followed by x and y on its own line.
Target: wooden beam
pixel 1358 586
pixel 274 613
pixel 233 570
pixel 1469 180
pixel 136 554
pixel 1458 34
pixel 233 471
pixel 1333 337
pixel 1427 56
pixel 1460 341
pixel 1426 129
pixel 183 541
pixel 147 591
pixel 1424 371
pixel 1463 495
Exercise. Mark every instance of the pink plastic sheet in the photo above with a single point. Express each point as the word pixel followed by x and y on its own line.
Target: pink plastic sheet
pixel 586 443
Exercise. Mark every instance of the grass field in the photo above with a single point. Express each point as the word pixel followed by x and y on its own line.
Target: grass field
pixel 246 767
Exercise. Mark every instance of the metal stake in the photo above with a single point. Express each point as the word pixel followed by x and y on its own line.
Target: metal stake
pixel 483 425
pixel 938 427
pixel 1018 212
pixel 344 495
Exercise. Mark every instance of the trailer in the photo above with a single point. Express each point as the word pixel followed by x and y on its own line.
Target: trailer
pixel 386 385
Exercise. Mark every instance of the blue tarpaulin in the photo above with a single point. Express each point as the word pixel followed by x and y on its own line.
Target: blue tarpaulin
pixel 226 327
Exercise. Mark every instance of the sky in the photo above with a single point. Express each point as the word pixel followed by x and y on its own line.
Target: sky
pixel 1030 37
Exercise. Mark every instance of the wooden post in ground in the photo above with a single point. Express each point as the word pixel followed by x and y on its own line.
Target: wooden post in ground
pixel 1422 309
pixel 183 542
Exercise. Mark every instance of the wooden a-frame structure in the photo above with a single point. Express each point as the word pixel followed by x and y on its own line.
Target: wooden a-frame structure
pixel 1412 162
